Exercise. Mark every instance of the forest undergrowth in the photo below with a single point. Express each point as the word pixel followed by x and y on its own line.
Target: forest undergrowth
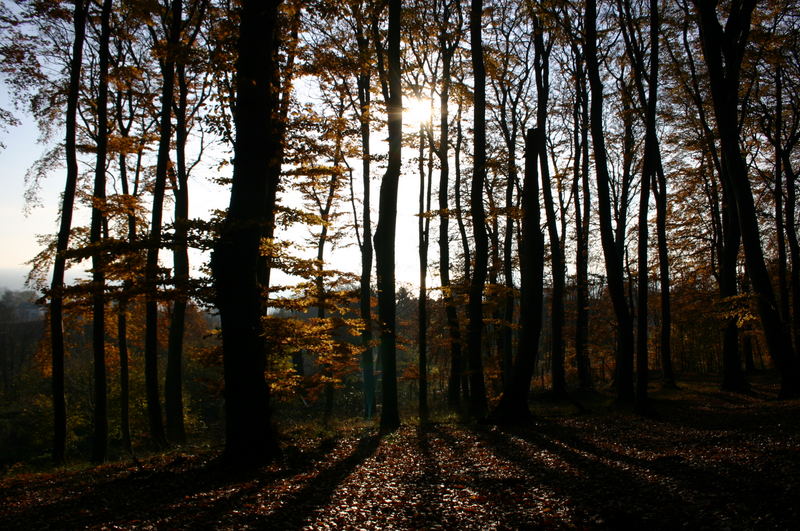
pixel 703 459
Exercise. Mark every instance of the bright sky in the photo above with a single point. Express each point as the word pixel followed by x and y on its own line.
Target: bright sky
pixel 18 231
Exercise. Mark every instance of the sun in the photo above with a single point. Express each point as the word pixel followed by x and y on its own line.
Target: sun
pixel 417 111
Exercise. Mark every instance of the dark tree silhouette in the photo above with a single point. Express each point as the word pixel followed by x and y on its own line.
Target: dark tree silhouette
pixel 100 441
pixel 513 405
pixel 386 229
pixel 477 391
pixel 613 258
pixel 723 50
pixel 68 202
pixel 236 260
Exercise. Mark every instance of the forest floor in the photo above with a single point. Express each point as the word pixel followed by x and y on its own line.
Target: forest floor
pixel 704 459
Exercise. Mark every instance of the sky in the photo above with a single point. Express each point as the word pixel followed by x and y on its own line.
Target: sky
pixel 21 226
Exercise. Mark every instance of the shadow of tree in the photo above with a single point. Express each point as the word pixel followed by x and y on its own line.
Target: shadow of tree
pixel 186 491
pixel 653 492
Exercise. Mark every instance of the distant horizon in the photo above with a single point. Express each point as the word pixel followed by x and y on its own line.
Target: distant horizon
pixel 13 279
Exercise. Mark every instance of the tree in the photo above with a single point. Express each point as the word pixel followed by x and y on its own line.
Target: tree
pixel 651 161
pixel 249 436
pixel 57 285
pixel 100 443
pixel 449 36
pixel 513 405
pixel 477 386
pixel 511 82
pixel 387 225
pixel 721 205
pixel 184 118
pixel 613 258
pixel 542 71
pixel 723 50
pixel 171 23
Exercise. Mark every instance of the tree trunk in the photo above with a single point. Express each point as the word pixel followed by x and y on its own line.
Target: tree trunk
pixel 173 379
pixel 423 233
pixel 454 335
pixel 794 247
pixel 475 309
pixel 723 51
pixel 613 259
pixel 100 440
pixel 542 66
pixel 386 230
pixel 783 286
pixel 582 213
pixel 513 405
pixel 57 284
pixel 365 301
pixel 649 164
pixel 151 268
pixel 127 284
pixel 236 260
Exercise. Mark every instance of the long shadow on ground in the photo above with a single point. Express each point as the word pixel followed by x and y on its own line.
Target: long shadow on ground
pixel 184 492
pixel 612 487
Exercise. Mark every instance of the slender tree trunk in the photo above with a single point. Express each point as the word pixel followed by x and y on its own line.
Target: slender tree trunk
pixel 794 247
pixel 613 259
pixel 728 240
pixel 173 379
pixel 660 193
pixel 57 284
pixel 151 268
pixel 124 298
pixel 423 233
pixel 365 302
pixel 657 179
pixel 783 285
pixel 319 280
pixel 478 403
pixel 100 439
pixel 558 375
pixel 462 227
pixel 454 335
pixel 462 230
pixel 386 230
pixel 581 190
pixel 236 260
pixel 513 405
pixel 648 173
pixel 124 378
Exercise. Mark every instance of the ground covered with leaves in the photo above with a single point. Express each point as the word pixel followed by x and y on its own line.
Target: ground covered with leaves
pixel 703 460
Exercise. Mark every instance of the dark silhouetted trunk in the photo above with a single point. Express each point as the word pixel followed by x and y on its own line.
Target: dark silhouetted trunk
pixel 475 309
pixel 100 437
pixel 447 48
pixel 365 301
pixel 723 50
pixel 581 193
pixel 386 230
pixel 57 283
pixel 173 22
pixel 783 285
pixel 542 67
pixel 513 405
pixel 124 127
pixel 727 239
pixel 173 379
pixel 423 233
pixel 613 258
pixel 236 260
pixel 794 247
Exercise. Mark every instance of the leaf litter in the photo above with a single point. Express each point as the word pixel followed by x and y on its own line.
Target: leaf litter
pixel 704 460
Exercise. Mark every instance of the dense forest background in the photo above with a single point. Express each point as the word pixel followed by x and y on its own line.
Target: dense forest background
pixel 605 197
